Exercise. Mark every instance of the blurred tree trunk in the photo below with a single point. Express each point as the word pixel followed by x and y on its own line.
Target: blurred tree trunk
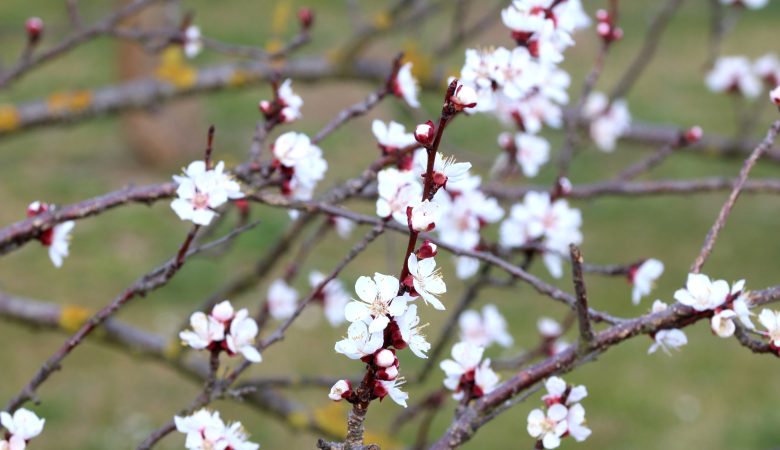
pixel 159 136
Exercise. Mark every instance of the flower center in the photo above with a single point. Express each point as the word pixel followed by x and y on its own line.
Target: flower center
pixel 200 201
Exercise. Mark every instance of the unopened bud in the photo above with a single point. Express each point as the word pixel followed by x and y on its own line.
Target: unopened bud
pixel 693 135
pixel 340 390
pixel 387 374
pixel 36 208
pixel 505 140
pixel 384 358
pixel 427 250
pixel 305 17
pixel 265 107
pixel 34 27
pixel 464 97
pixel 424 133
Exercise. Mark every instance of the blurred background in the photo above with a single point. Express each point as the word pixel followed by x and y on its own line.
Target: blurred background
pixel 713 394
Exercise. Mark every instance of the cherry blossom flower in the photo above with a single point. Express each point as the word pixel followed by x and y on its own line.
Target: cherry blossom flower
pixel 607 121
pixel 243 331
pixel 236 438
pixel 406 87
pixel 393 389
pixel 57 238
pixel 551 427
pixel 771 321
pixel 192 41
pixel 483 330
pixel 643 278
pixel 465 357
pixel 205 331
pixel 411 332
pixel 424 215
pixel 742 310
pixel 576 422
pixel 396 191
pixel 201 190
pixel 485 379
pixel 359 341
pixel 446 171
pixel 282 300
pixel 427 280
pixel 393 136
pixel 751 4
pixel 22 426
pixel 734 74
pixel 556 389
pixel 525 17
pixel 767 68
pixel 291 148
pixel 377 301
pixel 291 102
pixel 334 297
pixel 343 226
pixel 549 328
pixel 722 323
pixel 202 428
pixel 532 153
pixel 666 339
pixel 340 390
pixel 466 267
pixel 701 293
pixel 659 306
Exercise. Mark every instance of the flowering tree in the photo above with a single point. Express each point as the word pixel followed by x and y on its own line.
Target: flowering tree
pixel 488 225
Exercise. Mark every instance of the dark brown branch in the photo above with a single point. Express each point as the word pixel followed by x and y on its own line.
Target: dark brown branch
pixel 581 307
pixel 720 222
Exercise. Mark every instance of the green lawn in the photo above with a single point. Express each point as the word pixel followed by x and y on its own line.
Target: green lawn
pixel 714 394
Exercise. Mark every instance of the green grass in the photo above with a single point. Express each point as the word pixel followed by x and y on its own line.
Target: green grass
pixel 713 394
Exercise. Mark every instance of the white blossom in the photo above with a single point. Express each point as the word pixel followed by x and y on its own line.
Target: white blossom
pixel 424 215
pixel 236 438
pixel 751 4
pixel 734 74
pixel 23 425
pixel 282 300
pixel 396 191
pixel 532 153
pixel 338 390
pixel 549 328
pixel 485 379
pixel 60 241
pixel 767 68
pixel 576 422
pixel 465 357
pixel 411 332
pixel 392 136
pixel 393 389
pixel 343 227
pixel 427 280
pixel 743 313
pixel 643 278
pixel 205 331
pixel 377 301
pixel 771 321
pixel 359 341
pixel 292 102
pixel 334 297
pixel 485 329
pixel 464 97
pixel 722 323
pixel 701 293
pixel 406 86
pixel 192 41
pixel 201 190
pixel 203 429
pixel 550 427
pixel 607 121
pixel 241 339
pixel 666 339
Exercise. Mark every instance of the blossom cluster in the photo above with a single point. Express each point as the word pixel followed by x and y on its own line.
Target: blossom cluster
pixel 57 238
pixel 22 426
pixel 738 75
pixel 223 329
pixel 300 163
pixel 541 219
pixel 285 106
pixel 205 430
pixel 466 374
pixel 564 414
pixel 201 190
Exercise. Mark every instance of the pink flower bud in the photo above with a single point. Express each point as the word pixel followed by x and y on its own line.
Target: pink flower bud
pixel 427 250
pixel 603 29
pixel 223 311
pixel 693 135
pixel 388 374
pixel 34 27
pixel 505 140
pixel 775 95
pixel 464 97
pixel 36 208
pixel 424 133
pixel 305 17
pixel 602 15
pixel 265 107
pixel 384 358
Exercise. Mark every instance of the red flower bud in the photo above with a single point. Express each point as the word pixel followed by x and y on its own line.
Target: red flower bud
pixel 34 27
pixel 305 17
pixel 425 133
